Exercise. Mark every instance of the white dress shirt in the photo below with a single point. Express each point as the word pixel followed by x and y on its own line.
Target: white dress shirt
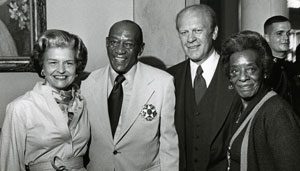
pixel 209 67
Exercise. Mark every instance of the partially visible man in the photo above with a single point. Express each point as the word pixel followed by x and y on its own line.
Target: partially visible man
pixel 131 108
pixel 203 94
pixel 284 74
pixel 276 30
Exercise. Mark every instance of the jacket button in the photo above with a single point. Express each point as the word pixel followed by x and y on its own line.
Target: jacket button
pixel 115 152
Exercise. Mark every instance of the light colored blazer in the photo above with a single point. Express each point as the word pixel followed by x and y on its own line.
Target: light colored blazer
pixel 139 144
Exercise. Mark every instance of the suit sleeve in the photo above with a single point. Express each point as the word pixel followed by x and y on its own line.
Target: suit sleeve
pixel 169 151
pixel 283 134
pixel 12 140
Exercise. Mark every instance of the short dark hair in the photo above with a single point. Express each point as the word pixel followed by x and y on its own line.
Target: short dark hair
pixel 59 39
pixel 201 7
pixel 129 22
pixel 274 19
pixel 246 40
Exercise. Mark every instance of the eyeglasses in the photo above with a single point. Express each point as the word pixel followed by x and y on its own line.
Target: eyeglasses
pixel 127 44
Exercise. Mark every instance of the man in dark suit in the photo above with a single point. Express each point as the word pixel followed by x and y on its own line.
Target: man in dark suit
pixel 201 122
pixel 285 74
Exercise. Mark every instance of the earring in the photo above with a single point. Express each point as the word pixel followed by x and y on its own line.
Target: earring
pixel 230 86
pixel 42 73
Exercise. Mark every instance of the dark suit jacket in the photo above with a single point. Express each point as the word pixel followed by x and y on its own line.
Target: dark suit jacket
pixel 213 111
pixel 285 81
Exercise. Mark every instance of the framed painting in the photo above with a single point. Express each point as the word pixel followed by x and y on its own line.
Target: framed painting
pixel 21 23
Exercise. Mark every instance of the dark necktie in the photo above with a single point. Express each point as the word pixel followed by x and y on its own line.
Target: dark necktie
pixel 199 85
pixel 115 100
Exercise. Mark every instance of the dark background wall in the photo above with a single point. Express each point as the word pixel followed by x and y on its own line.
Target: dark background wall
pixel 227 15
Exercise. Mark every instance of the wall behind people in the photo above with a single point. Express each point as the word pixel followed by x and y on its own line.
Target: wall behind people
pixel 254 13
pixel 160 34
pixel 227 18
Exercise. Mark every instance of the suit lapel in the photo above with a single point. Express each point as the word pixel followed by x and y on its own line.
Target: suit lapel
pixel 56 112
pixel 99 93
pixel 182 76
pixel 141 94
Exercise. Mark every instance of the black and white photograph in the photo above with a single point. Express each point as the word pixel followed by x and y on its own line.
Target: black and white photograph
pixel 150 85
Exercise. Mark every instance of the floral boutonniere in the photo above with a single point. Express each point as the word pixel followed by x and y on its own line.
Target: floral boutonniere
pixel 149 112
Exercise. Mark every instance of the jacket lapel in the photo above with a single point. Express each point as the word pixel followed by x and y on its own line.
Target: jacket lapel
pixel 141 94
pixel 99 93
pixel 182 77
pixel 53 108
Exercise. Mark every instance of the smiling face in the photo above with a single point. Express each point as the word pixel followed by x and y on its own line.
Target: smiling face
pixel 278 38
pixel 124 45
pixel 245 73
pixel 59 67
pixel 196 34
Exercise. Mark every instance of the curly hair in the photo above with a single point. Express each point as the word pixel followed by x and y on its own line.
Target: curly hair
pixel 59 39
pixel 246 40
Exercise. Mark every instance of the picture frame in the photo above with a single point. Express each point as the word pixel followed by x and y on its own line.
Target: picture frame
pixel 21 23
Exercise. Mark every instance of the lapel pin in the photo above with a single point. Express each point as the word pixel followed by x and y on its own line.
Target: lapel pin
pixel 149 112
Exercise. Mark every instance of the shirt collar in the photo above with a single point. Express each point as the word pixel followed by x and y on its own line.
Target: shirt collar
pixel 209 66
pixel 129 76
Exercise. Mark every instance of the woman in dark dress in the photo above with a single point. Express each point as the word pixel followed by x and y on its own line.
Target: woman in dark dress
pixel 265 130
